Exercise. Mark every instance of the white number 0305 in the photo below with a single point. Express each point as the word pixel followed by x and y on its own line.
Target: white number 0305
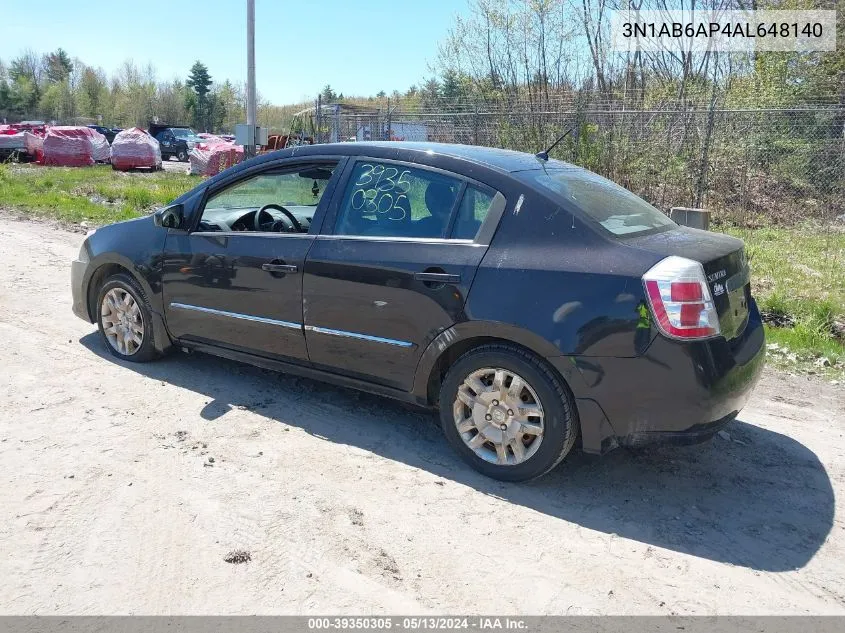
pixel 381 190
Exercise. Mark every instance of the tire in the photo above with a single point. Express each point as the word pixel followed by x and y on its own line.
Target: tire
pixel 559 420
pixel 182 156
pixel 124 284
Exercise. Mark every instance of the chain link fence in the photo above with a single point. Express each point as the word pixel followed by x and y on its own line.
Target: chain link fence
pixel 749 166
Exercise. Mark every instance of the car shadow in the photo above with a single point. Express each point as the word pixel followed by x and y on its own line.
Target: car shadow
pixel 759 500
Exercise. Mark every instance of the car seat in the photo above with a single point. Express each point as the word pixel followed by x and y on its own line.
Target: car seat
pixel 390 222
pixel 439 200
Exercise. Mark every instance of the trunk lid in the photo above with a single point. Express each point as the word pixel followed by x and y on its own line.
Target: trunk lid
pixel 725 265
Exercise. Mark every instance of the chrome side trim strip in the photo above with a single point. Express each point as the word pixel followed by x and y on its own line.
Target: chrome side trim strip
pixel 387 238
pixel 236 315
pixel 249 234
pixel 289 324
pixel 363 337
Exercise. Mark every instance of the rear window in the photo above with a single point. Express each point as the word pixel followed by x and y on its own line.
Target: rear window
pixel 615 208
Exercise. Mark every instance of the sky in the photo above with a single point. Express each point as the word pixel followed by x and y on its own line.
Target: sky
pixel 358 47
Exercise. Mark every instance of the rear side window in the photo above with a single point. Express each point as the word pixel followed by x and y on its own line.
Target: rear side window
pixel 615 208
pixel 388 200
pixel 475 206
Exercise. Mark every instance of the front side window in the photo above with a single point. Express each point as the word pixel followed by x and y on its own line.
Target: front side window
pixel 615 208
pixel 283 202
pixel 396 201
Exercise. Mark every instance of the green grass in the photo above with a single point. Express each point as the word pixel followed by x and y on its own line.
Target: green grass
pixel 797 270
pixel 803 349
pixel 95 195
pixel 799 273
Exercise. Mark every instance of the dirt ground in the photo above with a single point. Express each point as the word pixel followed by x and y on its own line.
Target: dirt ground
pixel 175 166
pixel 125 488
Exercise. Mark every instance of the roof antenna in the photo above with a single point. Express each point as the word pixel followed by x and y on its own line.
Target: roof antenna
pixel 544 156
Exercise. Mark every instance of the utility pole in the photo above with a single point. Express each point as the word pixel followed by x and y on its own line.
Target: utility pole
pixel 249 149
pixel 318 117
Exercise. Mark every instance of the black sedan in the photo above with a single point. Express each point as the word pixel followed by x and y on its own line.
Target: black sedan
pixel 534 303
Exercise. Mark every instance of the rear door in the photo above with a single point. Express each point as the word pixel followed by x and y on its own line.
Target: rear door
pixel 393 266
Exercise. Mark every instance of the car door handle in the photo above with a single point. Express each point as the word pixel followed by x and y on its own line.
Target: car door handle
pixel 440 278
pixel 279 268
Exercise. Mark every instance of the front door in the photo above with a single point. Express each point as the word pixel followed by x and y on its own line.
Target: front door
pixel 236 279
pixel 392 269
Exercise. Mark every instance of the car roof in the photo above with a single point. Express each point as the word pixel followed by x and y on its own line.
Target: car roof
pixel 501 159
pixel 504 159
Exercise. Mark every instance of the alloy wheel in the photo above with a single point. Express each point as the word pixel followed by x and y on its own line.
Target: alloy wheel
pixel 122 321
pixel 499 416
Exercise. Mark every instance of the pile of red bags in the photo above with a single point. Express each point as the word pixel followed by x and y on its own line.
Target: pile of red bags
pixel 72 146
pixel 133 148
pixel 15 138
pixel 12 140
pixel 34 145
pixel 214 156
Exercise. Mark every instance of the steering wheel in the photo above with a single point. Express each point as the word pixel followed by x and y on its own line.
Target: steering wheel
pixel 262 216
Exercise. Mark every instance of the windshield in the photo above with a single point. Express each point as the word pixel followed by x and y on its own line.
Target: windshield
pixel 617 210
pixel 183 132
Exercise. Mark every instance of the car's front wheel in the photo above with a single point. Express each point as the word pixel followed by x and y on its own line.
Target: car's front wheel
pixel 182 156
pixel 506 413
pixel 125 320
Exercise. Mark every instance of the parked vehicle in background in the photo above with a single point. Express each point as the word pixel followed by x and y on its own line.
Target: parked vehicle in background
pixel 35 127
pixel 530 301
pixel 108 132
pixel 174 140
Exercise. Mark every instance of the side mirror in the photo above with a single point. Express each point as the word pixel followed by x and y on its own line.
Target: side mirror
pixel 170 217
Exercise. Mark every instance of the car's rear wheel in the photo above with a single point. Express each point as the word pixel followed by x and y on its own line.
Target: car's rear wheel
pixel 506 413
pixel 125 320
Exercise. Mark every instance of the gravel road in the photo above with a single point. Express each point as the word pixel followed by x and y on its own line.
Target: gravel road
pixel 176 166
pixel 196 485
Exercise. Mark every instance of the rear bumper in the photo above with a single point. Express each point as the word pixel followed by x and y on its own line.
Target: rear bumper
pixel 694 435
pixel 78 289
pixel 675 392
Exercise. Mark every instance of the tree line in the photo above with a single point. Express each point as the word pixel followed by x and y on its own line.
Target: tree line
pixel 55 87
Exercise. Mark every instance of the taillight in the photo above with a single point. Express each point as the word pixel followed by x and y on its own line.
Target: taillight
pixel 680 299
